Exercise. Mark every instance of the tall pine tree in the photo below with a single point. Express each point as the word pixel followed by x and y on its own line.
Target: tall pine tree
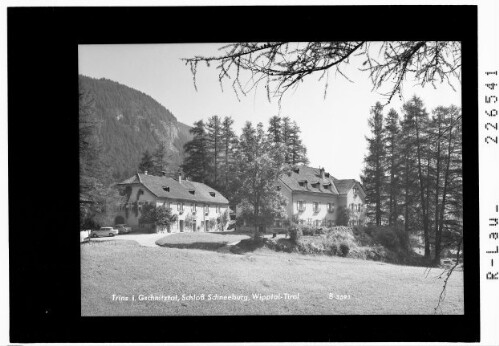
pixel 214 140
pixel 373 177
pixel 196 164
pixel 392 131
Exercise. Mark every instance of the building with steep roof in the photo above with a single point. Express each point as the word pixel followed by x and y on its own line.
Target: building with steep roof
pixel 197 206
pixel 314 197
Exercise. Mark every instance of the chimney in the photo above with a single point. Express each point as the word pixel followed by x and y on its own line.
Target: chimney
pixel 179 176
pixel 322 173
pixel 163 173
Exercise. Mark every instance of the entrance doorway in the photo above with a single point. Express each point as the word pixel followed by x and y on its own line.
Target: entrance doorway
pixel 181 225
pixel 119 220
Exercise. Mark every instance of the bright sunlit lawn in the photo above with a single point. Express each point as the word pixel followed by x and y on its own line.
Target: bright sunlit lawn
pixel 125 269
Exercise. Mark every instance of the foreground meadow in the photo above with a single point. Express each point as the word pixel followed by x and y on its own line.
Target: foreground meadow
pixel 116 276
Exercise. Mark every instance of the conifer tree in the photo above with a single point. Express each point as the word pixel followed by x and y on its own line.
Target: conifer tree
pixel 159 157
pixel 196 164
pixel 373 177
pixel 146 162
pixel 229 143
pixel 214 148
pixel 415 108
pixel 296 149
pixel 275 129
pixel 392 130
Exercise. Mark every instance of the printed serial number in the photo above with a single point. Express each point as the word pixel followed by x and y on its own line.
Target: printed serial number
pixel 339 296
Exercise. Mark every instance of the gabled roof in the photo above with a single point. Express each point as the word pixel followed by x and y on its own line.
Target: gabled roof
pixel 312 176
pixel 166 187
pixel 345 185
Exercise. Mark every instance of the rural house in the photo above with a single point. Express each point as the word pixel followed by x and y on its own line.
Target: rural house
pixel 314 197
pixel 198 207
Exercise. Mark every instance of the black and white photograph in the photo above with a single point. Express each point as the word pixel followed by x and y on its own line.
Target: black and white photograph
pixel 271 178
pixel 251 173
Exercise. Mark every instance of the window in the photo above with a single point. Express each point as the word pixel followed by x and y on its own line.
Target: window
pixel 309 221
pixel 194 207
pixel 180 206
pixel 278 188
pixel 218 209
pixel 330 207
pixel 192 192
pixel 351 206
pixel 316 207
pixel 301 206
pixel 302 183
pixel 315 185
pixel 206 209
pixel 166 205
pixel 166 188
pixel 212 194
pixel 317 223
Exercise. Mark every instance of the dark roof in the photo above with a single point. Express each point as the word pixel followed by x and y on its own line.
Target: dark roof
pixel 177 190
pixel 312 176
pixel 345 185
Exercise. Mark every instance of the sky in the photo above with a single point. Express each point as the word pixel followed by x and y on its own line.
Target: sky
pixel 333 127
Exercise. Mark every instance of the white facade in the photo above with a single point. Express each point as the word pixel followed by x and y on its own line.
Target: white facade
pixel 322 210
pixel 190 214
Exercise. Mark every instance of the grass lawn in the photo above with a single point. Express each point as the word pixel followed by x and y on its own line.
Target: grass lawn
pixel 127 270
pixel 201 240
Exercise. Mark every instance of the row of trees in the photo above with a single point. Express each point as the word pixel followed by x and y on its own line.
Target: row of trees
pixel 245 168
pixel 413 173
pixel 217 156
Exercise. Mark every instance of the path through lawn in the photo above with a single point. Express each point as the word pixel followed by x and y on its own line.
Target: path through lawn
pixel 127 270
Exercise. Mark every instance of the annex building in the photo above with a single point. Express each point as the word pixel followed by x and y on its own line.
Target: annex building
pixel 315 196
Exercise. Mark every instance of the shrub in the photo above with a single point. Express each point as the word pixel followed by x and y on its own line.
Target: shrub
pixel 391 237
pixel 307 230
pixel 295 233
pixel 344 249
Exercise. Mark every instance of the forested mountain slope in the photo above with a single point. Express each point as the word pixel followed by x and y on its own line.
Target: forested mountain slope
pixel 131 122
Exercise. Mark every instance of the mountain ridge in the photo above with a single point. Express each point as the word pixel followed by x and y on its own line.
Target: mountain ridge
pixel 131 122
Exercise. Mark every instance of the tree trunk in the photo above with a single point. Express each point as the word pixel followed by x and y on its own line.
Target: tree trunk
pixel 437 188
pixel 438 235
pixel 406 199
pixel 422 195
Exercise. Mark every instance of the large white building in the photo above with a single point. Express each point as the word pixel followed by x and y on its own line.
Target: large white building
pixel 314 197
pixel 198 207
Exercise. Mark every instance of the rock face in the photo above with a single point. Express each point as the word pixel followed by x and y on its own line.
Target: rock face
pixel 131 122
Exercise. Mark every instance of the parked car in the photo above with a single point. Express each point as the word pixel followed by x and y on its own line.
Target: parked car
pixel 122 228
pixel 104 232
